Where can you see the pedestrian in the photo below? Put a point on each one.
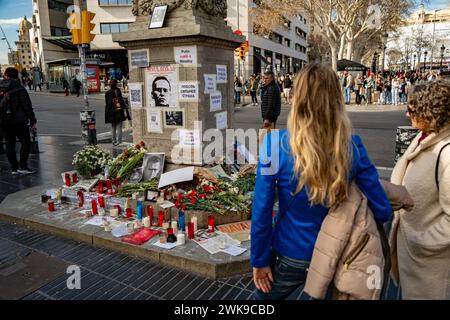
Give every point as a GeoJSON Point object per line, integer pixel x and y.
{"type": "Point", "coordinates": [369, 85]}
{"type": "Point", "coordinates": [395, 91]}
{"type": "Point", "coordinates": [271, 101]}
{"type": "Point", "coordinates": [295, 165]}
{"type": "Point", "coordinates": [115, 111]}
{"type": "Point", "coordinates": [66, 87]}
{"type": "Point", "coordinates": [29, 83]}
{"type": "Point", "coordinates": [253, 89]}
{"type": "Point", "coordinates": [17, 116]}
{"type": "Point", "coordinates": [350, 83]}
{"type": "Point", "coordinates": [387, 87]}
{"type": "Point", "coordinates": [357, 88]}
{"type": "Point", "coordinates": [287, 86]}
{"type": "Point", "coordinates": [237, 90]}
{"type": "Point", "coordinates": [76, 84]}
{"type": "Point", "coordinates": [420, 239]}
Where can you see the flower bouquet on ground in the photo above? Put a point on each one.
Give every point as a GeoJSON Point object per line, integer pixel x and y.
{"type": "Point", "coordinates": [130, 159]}
{"type": "Point", "coordinates": [91, 160]}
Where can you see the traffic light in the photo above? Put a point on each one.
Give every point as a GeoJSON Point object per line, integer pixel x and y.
{"type": "Point", "coordinates": [237, 52]}
{"type": "Point", "coordinates": [75, 28]}
{"type": "Point", "coordinates": [87, 27]}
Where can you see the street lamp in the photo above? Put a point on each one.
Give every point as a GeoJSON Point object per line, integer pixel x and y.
{"type": "Point", "coordinates": [414, 63]}
{"type": "Point", "coordinates": [442, 57]}
{"type": "Point", "coordinates": [425, 61]}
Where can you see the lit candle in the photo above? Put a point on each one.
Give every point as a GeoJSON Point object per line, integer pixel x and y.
{"type": "Point", "coordinates": [146, 221]}
{"type": "Point", "coordinates": [194, 221]}
{"type": "Point", "coordinates": [190, 230]}
{"type": "Point", "coordinates": [94, 206]}
{"type": "Point", "coordinates": [174, 226]}
{"type": "Point", "coordinates": [139, 210]}
{"type": "Point", "coordinates": [181, 238]}
{"type": "Point", "coordinates": [165, 225]}
{"type": "Point", "coordinates": [101, 201]}
{"type": "Point", "coordinates": [160, 218]}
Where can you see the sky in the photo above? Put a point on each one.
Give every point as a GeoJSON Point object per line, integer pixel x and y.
{"type": "Point", "coordinates": [11, 12]}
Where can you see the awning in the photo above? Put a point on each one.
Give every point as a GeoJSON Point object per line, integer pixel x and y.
{"type": "Point", "coordinates": [348, 65]}
{"type": "Point", "coordinates": [62, 41]}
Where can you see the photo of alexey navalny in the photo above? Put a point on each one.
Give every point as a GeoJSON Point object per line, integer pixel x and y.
{"type": "Point", "coordinates": [161, 92]}
{"type": "Point", "coordinates": [174, 118]}
{"type": "Point", "coordinates": [153, 165]}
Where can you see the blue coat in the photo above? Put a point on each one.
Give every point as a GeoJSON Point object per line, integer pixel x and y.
{"type": "Point", "coordinates": [296, 233]}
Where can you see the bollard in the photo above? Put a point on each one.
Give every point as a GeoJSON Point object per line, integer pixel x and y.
{"type": "Point", "coordinates": [405, 135]}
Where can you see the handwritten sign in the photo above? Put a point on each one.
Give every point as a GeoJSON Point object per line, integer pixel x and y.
{"type": "Point", "coordinates": [221, 71]}
{"type": "Point", "coordinates": [215, 100]}
{"type": "Point", "coordinates": [186, 55]}
{"type": "Point", "coordinates": [210, 83]}
{"type": "Point", "coordinates": [221, 120]}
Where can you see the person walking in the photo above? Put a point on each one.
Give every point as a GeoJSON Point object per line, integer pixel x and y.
{"type": "Point", "coordinates": [350, 83]}
{"type": "Point", "coordinates": [76, 84]}
{"type": "Point", "coordinates": [253, 89]}
{"type": "Point", "coordinates": [395, 91]}
{"type": "Point", "coordinates": [295, 164]}
{"type": "Point", "coordinates": [115, 111]}
{"type": "Point", "coordinates": [271, 101]}
{"type": "Point", "coordinates": [237, 90]}
{"type": "Point", "coordinates": [420, 239]}
{"type": "Point", "coordinates": [17, 116]}
{"type": "Point", "coordinates": [358, 86]}
{"type": "Point", "coordinates": [66, 87]}
{"type": "Point", "coordinates": [287, 86]}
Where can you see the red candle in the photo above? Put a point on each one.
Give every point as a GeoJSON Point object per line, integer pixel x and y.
{"type": "Point", "coordinates": [101, 201]}
{"type": "Point", "coordinates": [67, 179]}
{"type": "Point", "coordinates": [51, 205]}
{"type": "Point", "coordinates": [94, 206]}
{"type": "Point", "coordinates": [150, 213]}
{"type": "Point", "coordinates": [100, 187]}
{"type": "Point", "coordinates": [211, 223]}
{"type": "Point", "coordinates": [118, 208]}
{"type": "Point", "coordinates": [80, 196]}
{"type": "Point", "coordinates": [190, 230]}
{"type": "Point", "coordinates": [160, 218]}
{"type": "Point", "coordinates": [74, 177]}
{"type": "Point", "coordinates": [129, 212]}
{"type": "Point", "coordinates": [109, 186]}
{"type": "Point", "coordinates": [169, 231]}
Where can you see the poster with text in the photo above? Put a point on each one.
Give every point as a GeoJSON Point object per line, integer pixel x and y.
{"type": "Point", "coordinates": [210, 83]}
{"type": "Point", "coordinates": [186, 55]}
{"type": "Point", "coordinates": [215, 100]}
{"type": "Point", "coordinates": [221, 71]}
{"type": "Point", "coordinates": [154, 122]}
{"type": "Point", "coordinates": [139, 58]}
{"type": "Point", "coordinates": [221, 120]}
{"type": "Point", "coordinates": [135, 97]}
{"type": "Point", "coordinates": [162, 86]}
{"type": "Point", "coordinates": [189, 138]}
{"type": "Point", "coordinates": [188, 91]}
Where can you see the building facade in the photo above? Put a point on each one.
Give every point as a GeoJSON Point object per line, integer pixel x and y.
{"type": "Point", "coordinates": [23, 46]}
{"type": "Point", "coordinates": [285, 50]}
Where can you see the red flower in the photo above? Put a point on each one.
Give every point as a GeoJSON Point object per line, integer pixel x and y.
{"type": "Point", "coordinates": [202, 196]}
{"type": "Point", "coordinates": [193, 200]}
{"type": "Point", "coordinates": [142, 143]}
{"type": "Point", "coordinates": [184, 207]}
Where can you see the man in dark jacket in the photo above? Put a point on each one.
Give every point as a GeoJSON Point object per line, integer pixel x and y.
{"type": "Point", "coordinates": [16, 118]}
{"type": "Point", "coordinates": [271, 100]}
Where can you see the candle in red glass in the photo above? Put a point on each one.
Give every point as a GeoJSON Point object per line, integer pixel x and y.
{"type": "Point", "coordinates": [190, 230]}
{"type": "Point", "coordinates": [118, 208]}
{"type": "Point", "coordinates": [80, 196]}
{"type": "Point", "coordinates": [74, 177]}
{"type": "Point", "coordinates": [150, 213]}
{"type": "Point", "coordinates": [51, 205]}
{"type": "Point", "coordinates": [160, 218]}
{"type": "Point", "coordinates": [94, 206]}
{"type": "Point", "coordinates": [211, 223]}
{"type": "Point", "coordinates": [101, 201]}
{"type": "Point", "coordinates": [109, 186]}
{"type": "Point", "coordinates": [100, 187]}
{"type": "Point", "coordinates": [129, 212]}
{"type": "Point", "coordinates": [67, 179]}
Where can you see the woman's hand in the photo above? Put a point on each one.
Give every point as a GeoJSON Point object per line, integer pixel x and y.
{"type": "Point", "coordinates": [263, 279]}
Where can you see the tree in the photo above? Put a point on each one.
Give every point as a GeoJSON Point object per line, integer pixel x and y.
{"type": "Point", "coordinates": [343, 24]}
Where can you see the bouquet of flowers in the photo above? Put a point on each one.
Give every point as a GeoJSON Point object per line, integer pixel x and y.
{"type": "Point", "coordinates": [127, 161]}
{"type": "Point", "coordinates": [91, 160]}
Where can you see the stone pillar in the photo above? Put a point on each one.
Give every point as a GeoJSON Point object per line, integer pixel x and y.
{"type": "Point", "coordinates": [197, 24]}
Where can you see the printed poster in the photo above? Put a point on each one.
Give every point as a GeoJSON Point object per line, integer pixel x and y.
{"type": "Point", "coordinates": [162, 86]}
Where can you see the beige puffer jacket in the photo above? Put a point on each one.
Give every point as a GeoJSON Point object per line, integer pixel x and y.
{"type": "Point", "coordinates": [348, 250]}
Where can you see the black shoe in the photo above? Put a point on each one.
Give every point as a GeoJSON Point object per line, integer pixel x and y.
{"type": "Point", "coordinates": [2, 151]}
{"type": "Point", "coordinates": [26, 171]}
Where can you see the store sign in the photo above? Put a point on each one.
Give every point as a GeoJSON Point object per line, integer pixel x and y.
{"type": "Point", "coordinates": [76, 62]}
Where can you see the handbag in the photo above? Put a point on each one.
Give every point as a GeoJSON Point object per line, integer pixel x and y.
{"type": "Point", "coordinates": [116, 102]}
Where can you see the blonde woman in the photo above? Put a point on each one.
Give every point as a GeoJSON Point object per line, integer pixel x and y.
{"type": "Point", "coordinates": [310, 165]}
{"type": "Point", "coordinates": [420, 239]}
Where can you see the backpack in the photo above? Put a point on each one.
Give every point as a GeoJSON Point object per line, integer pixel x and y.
{"type": "Point", "coordinates": [6, 111]}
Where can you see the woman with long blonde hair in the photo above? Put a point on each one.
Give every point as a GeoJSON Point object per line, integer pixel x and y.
{"type": "Point", "coordinates": [310, 165]}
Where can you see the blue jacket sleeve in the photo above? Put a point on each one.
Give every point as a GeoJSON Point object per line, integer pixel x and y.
{"type": "Point", "coordinates": [263, 201]}
{"type": "Point", "coordinates": [366, 177]}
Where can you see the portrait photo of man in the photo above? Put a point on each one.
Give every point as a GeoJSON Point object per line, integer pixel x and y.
{"type": "Point", "coordinates": [153, 165]}
{"type": "Point", "coordinates": [161, 92]}
{"type": "Point", "coordinates": [174, 118]}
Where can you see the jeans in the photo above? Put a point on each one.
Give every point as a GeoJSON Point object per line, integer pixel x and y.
{"type": "Point", "coordinates": [395, 95]}
{"type": "Point", "coordinates": [22, 132]}
{"type": "Point", "coordinates": [254, 98]}
{"type": "Point", "coordinates": [288, 274]}
{"type": "Point", "coordinates": [387, 97]}
{"type": "Point", "coordinates": [116, 133]}
{"type": "Point", "coordinates": [237, 97]}
{"type": "Point", "coordinates": [348, 95]}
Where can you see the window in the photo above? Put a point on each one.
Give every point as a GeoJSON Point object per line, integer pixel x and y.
{"type": "Point", "coordinates": [300, 48]}
{"type": "Point", "coordinates": [113, 27]}
{"type": "Point", "coordinates": [277, 38]}
{"type": "Point", "coordinates": [58, 32]}
{"type": "Point", "coordinates": [114, 2]}
{"type": "Point", "coordinates": [287, 42]}
{"type": "Point", "coordinates": [57, 5]}
{"type": "Point", "coordinates": [300, 32]}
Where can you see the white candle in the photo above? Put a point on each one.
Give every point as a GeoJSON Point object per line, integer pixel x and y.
{"type": "Point", "coordinates": [114, 212]}
{"type": "Point", "coordinates": [146, 221]}
{"type": "Point", "coordinates": [175, 227]}
{"type": "Point", "coordinates": [165, 225]}
{"type": "Point", "coordinates": [181, 238]}
{"type": "Point", "coordinates": [194, 221]}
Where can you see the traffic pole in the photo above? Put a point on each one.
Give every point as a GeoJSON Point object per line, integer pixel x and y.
{"type": "Point", "coordinates": [87, 117]}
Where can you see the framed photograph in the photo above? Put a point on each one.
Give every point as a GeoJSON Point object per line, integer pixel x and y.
{"type": "Point", "coordinates": [154, 121]}
{"type": "Point", "coordinates": [136, 176]}
{"type": "Point", "coordinates": [158, 16]}
{"type": "Point", "coordinates": [161, 83]}
{"type": "Point", "coordinates": [153, 165]}
{"type": "Point", "coordinates": [174, 118]}
{"type": "Point", "coordinates": [151, 195]}
{"type": "Point", "coordinates": [135, 94]}
{"type": "Point", "coordinates": [138, 58]}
